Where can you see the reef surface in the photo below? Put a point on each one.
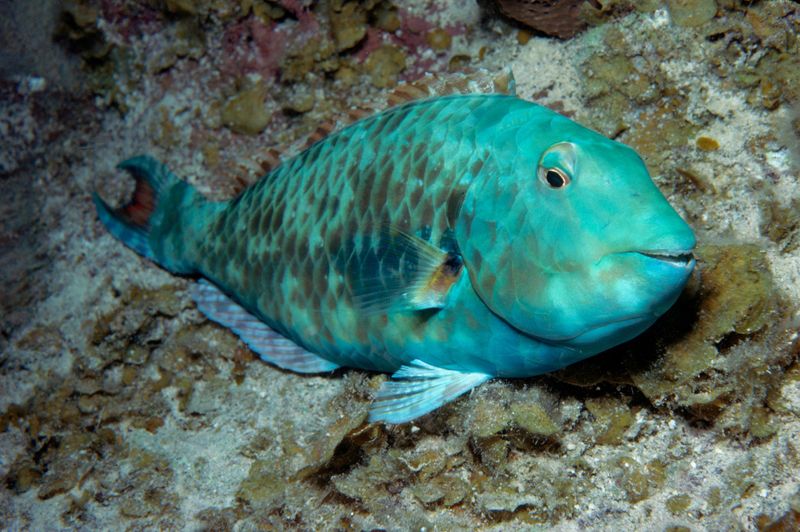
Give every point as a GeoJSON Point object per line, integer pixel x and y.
{"type": "Point", "coordinates": [121, 406]}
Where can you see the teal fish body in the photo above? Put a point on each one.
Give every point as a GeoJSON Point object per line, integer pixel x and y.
{"type": "Point", "coordinates": [448, 240]}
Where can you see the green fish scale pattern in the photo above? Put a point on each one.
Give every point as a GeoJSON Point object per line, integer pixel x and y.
{"type": "Point", "coordinates": [295, 247]}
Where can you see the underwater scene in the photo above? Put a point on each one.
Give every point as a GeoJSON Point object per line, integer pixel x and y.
{"type": "Point", "coordinates": [400, 265]}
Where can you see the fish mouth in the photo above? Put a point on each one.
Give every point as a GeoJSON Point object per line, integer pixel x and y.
{"type": "Point", "coordinates": [680, 259]}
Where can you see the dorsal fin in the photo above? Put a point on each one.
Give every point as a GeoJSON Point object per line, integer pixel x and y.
{"type": "Point", "coordinates": [322, 131]}
{"type": "Point", "coordinates": [244, 176]}
{"type": "Point", "coordinates": [406, 92]}
{"type": "Point", "coordinates": [238, 185]}
{"type": "Point", "coordinates": [329, 126]}
{"type": "Point", "coordinates": [248, 172]}
{"type": "Point", "coordinates": [357, 113]}
{"type": "Point", "coordinates": [270, 160]}
{"type": "Point", "coordinates": [479, 81]}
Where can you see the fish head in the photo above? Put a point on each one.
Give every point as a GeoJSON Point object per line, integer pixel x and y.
{"type": "Point", "coordinates": [566, 237]}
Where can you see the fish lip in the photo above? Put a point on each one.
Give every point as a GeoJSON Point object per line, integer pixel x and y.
{"type": "Point", "coordinates": [680, 258]}
{"type": "Point", "coordinates": [631, 319]}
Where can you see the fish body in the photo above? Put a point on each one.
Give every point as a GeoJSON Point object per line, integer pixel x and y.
{"type": "Point", "coordinates": [448, 240]}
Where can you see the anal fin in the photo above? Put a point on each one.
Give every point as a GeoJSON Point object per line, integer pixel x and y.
{"type": "Point", "coordinates": [418, 388]}
{"type": "Point", "coordinates": [268, 344]}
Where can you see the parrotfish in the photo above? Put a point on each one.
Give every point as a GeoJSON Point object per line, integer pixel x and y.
{"type": "Point", "coordinates": [447, 240]}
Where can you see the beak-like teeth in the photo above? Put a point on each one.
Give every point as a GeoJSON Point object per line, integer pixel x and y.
{"type": "Point", "coordinates": [675, 257]}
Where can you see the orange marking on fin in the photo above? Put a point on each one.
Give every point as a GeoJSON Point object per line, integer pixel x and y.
{"type": "Point", "coordinates": [441, 280]}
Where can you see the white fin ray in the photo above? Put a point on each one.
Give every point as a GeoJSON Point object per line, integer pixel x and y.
{"type": "Point", "coordinates": [268, 344]}
{"type": "Point", "coordinates": [418, 388]}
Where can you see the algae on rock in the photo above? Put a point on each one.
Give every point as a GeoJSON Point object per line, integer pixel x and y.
{"type": "Point", "coordinates": [246, 112]}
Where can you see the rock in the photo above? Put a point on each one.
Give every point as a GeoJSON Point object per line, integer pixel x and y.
{"type": "Point", "coordinates": [385, 17]}
{"type": "Point", "coordinates": [534, 419]}
{"type": "Point", "coordinates": [560, 18]}
{"type": "Point", "coordinates": [183, 7]}
{"type": "Point", "coordinates": [299, 99]}
{"type": "Point", "coordinates": [691, 13]}
{"type": "Point", "coordinates": [245, 112]}
{"type": "Point", "coordinates": [677, 504]}
{"type": "Point", "coordinates": [707, 144]}
{"type": "Point", "coordinates": [348, 24]}
{"type": "Point", "coordinates": [612, 419]}
{"type": "Point", "coordinates": [488, 417]}
{"type": "Point", "coordinates": [384, 65]}
{"type": "Point", "coordinates": [439, 39]}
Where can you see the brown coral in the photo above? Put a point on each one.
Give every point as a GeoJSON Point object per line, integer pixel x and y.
{"type": "Point", "coordinates": [559, 18]}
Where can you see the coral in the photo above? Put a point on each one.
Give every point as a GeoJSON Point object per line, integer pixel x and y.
{"type": "Point", "coordinates": [123, 407]}
{"type": "Point", "coordinates": [735, 304]}
{"type": "Point", "coordinates": [560, 18]}
{"type": "Point", "coordinates": [348, 24]}
{"type": "Point", "coordinates": [186, 41]}
{"type": "Point", "coordinates": [692, 13]}
{"type": "Point", "coordinates": [612, 417]}
{"type": "Point", "coordinates": [636, 480]}
{"type": "Point", "coordinates": [724, 367]}
{"type": "Point", "coordinates": [246, 112]}
{"type": "Point", "coordinates": [759, 52]}
{"type": "Point", "coordinates": [384, 65]}
{"type": "Point", "coordinates": [78, 26]}
{"type": "Point", "coordinates": [439, 39]}
{"type": "Point", "coordinates": [71, 443]}
{"type": "Point", "coordinates": [615, 77]}
{"type": "Point", "coordinates": [677, 504]}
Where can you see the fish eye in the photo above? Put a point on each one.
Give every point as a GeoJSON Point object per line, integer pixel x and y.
{"type": "Point", "coordinates": [554, 177]}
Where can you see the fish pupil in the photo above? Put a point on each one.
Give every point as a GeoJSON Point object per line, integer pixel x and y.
{"type": "Point", "coordinates": [554, 179]}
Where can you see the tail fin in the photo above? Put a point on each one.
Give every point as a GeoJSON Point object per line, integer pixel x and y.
{"type": "Point", "coordinates": [147, 224]}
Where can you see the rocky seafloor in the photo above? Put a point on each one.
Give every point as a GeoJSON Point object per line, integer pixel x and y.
{"type": "Point", "coordinates": [122, 407]}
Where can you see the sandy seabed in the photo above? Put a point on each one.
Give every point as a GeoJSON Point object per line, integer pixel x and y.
{"type": "Point", "coordinates": [121, 406]}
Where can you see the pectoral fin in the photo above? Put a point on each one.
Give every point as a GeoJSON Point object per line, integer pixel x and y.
{"type": "Point", "coordinates": [268, 344]}
{"type": "Point", "coordinates": [411, 274]}
{"type": "Point", "coordinates": [418, 388]}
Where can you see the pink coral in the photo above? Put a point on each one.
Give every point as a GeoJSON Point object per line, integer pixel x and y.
{"type": "Point", "coordinates": [251, 46]}
{"type": "Point", "coordinates": [131, 21]}
{"type": "Point", "coordinates": [302, 12]}
{"type": "Point", "coordinates": [412, 38]}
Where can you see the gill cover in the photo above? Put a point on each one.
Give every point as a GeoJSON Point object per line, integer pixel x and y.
{"type": "Point", "coordinates": [566, 237]}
